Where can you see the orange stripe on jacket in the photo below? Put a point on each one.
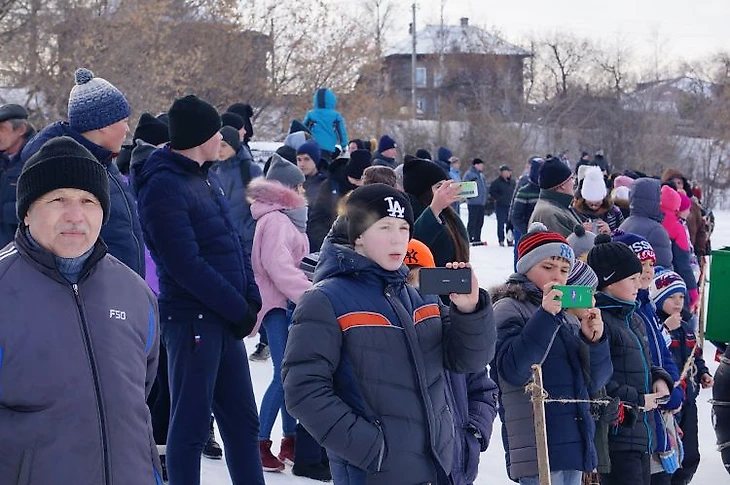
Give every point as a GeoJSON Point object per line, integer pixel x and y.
{"type": "Point", "coordinates": [426, 311]}
{"type": "Point", "coordinates": [361, 319]}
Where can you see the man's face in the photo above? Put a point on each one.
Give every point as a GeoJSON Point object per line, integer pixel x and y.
{"type": "Point", "coordinates": [455, 163]}
{"type": "Point", "coordinates": [479, 166]}
{"type": "Point", "coordinates": [390, 153]}
{"type": "Point", "coordinates": [113, 135]}
{"type": "Point", "coordinates": [10, 137]}
{"type": "Point", "coordinates": [242, 133]}
{"type": "Point", "coordinates": [65, 222]}
{"type": "Point", "coordinates": [225, 151]}
{"type": "Point", "coordinates": [211, 148]}
{"type": "Point", "coordinates": [306, 164]}
{"type": "Point", "coordinates": [506, 174]}
{"type": "Point", "coordinates": [566, 187]}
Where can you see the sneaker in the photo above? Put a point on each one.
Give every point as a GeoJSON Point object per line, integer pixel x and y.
{"type": "Point", "coordinates": [261, 353]}
{"type": "Point", "coordinates": [286, 452]}
{"type": "Point", "coordinates": [315, 471]}
{"type": "Point", "coordinates": [269, 462]}
{"type": "Point", "coordinates": [212, 449]}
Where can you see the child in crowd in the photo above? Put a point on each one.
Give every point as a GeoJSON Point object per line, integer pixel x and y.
{"type": "Point", "coordinates": [279, 244]}
{"type": "Point", "coordinates": [365, 360]}
{"type": "Point", "coordinates": [635, 380]}
{"type": "Point", "coordinates": [533, 328]}
{"type": "Point", "coordinates": [668, 293]}
{"type": "Point", "coordinates": [474, 396]}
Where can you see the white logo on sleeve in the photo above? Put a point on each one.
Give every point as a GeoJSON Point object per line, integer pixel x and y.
{"type": "Point", "coordinates": [394, 208]}
{"type": "Point", "coordinates": [117, 314]}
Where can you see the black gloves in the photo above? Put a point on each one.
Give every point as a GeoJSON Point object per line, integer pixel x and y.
{"type": "Point", "coordinates": [245, 326]}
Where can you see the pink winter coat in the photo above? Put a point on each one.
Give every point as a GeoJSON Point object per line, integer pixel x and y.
{"type": "Point", "coordinates": [670, 201]}
{"type": "Point", "coordinates": [278, 246]}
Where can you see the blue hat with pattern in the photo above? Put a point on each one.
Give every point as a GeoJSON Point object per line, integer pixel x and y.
{"type": "Point", "coordinates": [95, 103]}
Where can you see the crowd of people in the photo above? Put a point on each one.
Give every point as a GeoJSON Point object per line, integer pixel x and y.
{"type": "Point", "coordinates": [132, 272]}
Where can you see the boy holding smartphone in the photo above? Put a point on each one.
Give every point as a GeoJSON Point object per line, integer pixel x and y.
{"type": "Point", "coordinates": [635, 380]}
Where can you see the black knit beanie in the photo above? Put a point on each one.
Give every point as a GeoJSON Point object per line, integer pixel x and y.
{"type": "Point", "coordinates": [231, 137]}
{"type": "Point", "coordinates": [553, 173]}
{"type": "Point", "coordinates": [192, 122]}
{"type": "Point", "coordinates": [245, 111]}
{"type": "Point", "coordinates": [61, 163]}
{"type": "Point", "coordinates": [370, 203]}
{"type": "Point", "coordinates": [232, 119]}
{"type": "Point", "coordinates": [420, 175]}
{"type": "Point", "coordinates": [151, 130]}
{"type": "Point", "coordinates": [359, 161]}
{"type": "Point", "coordinates": [612, 261]}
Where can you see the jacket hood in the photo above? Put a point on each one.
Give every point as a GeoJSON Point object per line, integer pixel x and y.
{"type": "Point", "coordinates": [343, 260]}
{"type": "Point", "coordinates": [61, 128]}
{"type": "Point", "coordinates": [519, 288]}
{"type": "Point", "coordinates": [645, 199]}
{"type": "Point", "coordinates": [268, 196]}
{"type": "Point", "coordinates": [295, 140]}
{"type": "Point", "coordinates": [164, 159]}
{"type": "Point", "coordinates": [324, 98]}
{"type": "Point", "coordinates": [670, 200]}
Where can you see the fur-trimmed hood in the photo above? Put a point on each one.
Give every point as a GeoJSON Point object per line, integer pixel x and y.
{"type": "Point", "coordinates": [579, 204]}
{"type": "Point", "coordinates": [267, 196]}
{"type": "Point", "coordinates": [517, 287]}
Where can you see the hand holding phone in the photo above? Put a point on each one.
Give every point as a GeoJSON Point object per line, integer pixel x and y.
{"type": "Point", "coordinates": [468, 190]}
{"type": "Point", "coordinates": [444, 281]}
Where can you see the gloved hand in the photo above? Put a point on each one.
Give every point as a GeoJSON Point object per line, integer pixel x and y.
{"type": "Point", "coordinates": [243, 328]}
{"type": "Point", "coordinates": [610, 414]}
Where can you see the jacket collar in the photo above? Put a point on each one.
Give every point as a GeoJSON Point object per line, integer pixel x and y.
{"type": "Point", "coordinates": [620, 307]}
{"type": "Point", "coordinates": [556, 198]}
{"type": "Point", "coordinates": [45, 262]}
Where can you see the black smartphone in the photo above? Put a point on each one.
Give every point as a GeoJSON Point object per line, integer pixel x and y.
{"type": "Point", "coordinates": [662, 400]}
{"type": "Point", "coordinates": [442, 281]}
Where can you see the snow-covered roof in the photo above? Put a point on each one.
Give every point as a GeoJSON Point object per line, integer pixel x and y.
{"type": "Point", "coordinates": [447, 39]}
{"type": "Point", "coordinates": [687, 84]}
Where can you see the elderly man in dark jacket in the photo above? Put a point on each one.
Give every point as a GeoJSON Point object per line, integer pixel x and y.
{"type": "Point", "coordinates": [208, 296]}
{"type": "Point", "coordinates": [15, 131]}
{"type": "Point", "coordinates": [646, 219]}
{"type": "Point", "coordinates": [75, 369]}
{"type": "Point", "coordinates": [97, 119]}
{"type": "Point", "coordinates": [501, 190]}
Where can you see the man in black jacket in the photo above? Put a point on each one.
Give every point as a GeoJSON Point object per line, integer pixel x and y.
{"type": "Point", "coordinates": [501, 191]}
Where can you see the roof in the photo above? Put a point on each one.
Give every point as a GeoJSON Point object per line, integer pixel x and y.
{"type": "Point", "coordinates": [447, 39]}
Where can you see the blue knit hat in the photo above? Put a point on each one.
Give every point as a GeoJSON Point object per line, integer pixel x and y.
{"type": "Point", "coordinates": [311, 148]}
{"type": "Point", "coordinates": [666, 284]}
{"type": "Point", "coordinates": [95, 103]}
{"type": "Point", "coordinates": [444, 154]}
{"type": "Point", "coordinates": [386, 143]}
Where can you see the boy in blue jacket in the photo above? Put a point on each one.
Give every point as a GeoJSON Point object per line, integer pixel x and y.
{"type": "Point", "coordinates": [325, 123]}
{"type": "Point", "coordinates": [668, 292]}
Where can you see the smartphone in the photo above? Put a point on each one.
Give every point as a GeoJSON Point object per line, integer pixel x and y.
{"type": "Point", "coordinates": [594, 224]}
{"type": "Point", "coordinates": [576, 296]}
{"type": "Point", "coordinates": [662, 400]}
{"type": "Point", "coordinates": [443, 281]}
{"type": "Point", "coordinates": [467, 190]}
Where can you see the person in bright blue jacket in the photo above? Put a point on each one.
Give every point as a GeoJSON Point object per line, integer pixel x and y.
{"type": "Point", "coordinates": [97, 119]}
{"type": "Point", "coordinates": [208, 296]}
{"type": "Point", "coordinates": [325, 123]}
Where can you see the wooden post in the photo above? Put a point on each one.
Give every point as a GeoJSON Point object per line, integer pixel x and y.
{"type": "Point", "coordinates": [538, 411]}
{"type": "Point", "coordinates": [701, 315]}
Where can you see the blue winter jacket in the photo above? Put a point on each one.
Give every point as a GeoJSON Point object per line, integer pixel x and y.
{"type": "Point", "coordinates": [364, 368]}
{"type": "Point", "coordinates": [231, 177]}
{"type": "Point", "coordinates": [474, 175]}
{"type": "Point", "coordinates": [8, 196]}
{"type": "Point", "coordinates": [646, 217]}
{"type": "Point", "coordinates": [683, 342]}
{"type": "Point", "coordinates": [324, 122]}
{"type": "Point", "coordinates": [123, 233]}
{"type": "Point", "coordinates": [473, 407]}
{"type": "Point", "coordinates": [205, 273]}
{"type": "Point", "coordinates": [526, 335]}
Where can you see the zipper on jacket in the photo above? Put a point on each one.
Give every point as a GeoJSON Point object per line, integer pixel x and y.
{"type": "Point", "coordinates": [140, 250]}
{"type": "Point", "coordinates": [647, 382]}
{"type": "Point", "coordinates": [97, 387]}
{"type": "Point", "coordinates": [381, 455]}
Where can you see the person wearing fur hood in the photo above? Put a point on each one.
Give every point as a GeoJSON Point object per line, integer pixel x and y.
{"type": "Point", "coordinates": [279, 244]}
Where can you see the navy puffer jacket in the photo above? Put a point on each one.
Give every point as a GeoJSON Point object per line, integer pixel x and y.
{"type": "Point", "coordinates": [204, 272]}
{"type": "Point", "coordinates": [364, 368]}
{"type": "Point", "coordinates": [123, 233]}
{"type": "Point", "coordinates": [526, 335]}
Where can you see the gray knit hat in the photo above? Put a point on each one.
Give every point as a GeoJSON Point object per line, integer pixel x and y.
{"type": "Point", "coordinates": [581, 240]}
{"type": "Point", "coordinates": [540, 244]}
{"type": "Point", "coordinates": [284, 172]}
{"type": "Point", "coordinates": [95, 103]}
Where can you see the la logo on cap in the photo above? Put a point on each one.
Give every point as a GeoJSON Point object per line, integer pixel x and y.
{"type": "Point", "coordinates": [394, 208]}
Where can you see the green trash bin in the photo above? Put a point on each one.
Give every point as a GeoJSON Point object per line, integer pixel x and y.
{"type": "Point", "coordinates": [718, 308]}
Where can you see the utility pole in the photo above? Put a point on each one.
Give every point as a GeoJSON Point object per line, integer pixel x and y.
{"type": "Point", "coordinates": [414, 107]}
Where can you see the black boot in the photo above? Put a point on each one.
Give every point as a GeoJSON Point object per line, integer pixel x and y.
{"type": "Point", "coordinates": [261, 353]}
{"type": "Point", "coordinates": [315, 471]}
{"type": "Point", "coordinates": [212, 449]}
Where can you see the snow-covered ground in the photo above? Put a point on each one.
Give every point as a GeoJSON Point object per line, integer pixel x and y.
{"type": "Point", "coordinates": [493, 264]}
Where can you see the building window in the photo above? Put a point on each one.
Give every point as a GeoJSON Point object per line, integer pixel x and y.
{"type": "Point", "coordinates": [421, 105]}
{"type": "Point", "coordinates": [438, 78]}
{"type": "Point", "coordinates": [421, 77]}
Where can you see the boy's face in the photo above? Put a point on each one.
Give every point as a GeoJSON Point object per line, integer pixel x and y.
{"type": "Point", "coordinates": [385, 242]}
{"type": "Point", "coordinates": [647, 274]}
{"type": "Point", "coordinates": [673, 304]}
{"type": "Point", "coordinates": [549, 270]}
{"type": "Point", "coordinates": [306, 164]}
{"type": "Point", "coordinates": [625, 289]}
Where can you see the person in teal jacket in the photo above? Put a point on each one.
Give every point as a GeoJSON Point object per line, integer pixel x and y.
{"type": "Point", "coordinates": [325, 123]}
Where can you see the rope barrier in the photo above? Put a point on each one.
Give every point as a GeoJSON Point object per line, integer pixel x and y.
{"type": "Point", "coordinates": [532, 388]}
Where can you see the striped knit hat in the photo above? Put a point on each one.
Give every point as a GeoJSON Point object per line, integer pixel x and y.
{"type": "Point", "coordinates": [95, 103]}
{"type": "Point", "coordinates": [540, 244]}
{"type": "Point", "coordinates": [666, 284]}
{"type": "Point", "coordinates": [582, 275]}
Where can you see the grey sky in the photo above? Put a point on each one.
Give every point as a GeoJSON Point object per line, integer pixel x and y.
{"type": "Point", "coordinates": [681, 29]}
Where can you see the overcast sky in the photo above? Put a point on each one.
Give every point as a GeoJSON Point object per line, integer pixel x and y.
{"type": "Point", "coordinates": [680, 29]}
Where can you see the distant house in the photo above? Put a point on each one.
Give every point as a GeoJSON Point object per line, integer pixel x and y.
{"type": "Point", "coordinates": [458, 67]}
{"type": "Point", "coordinates": [678, 97]}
